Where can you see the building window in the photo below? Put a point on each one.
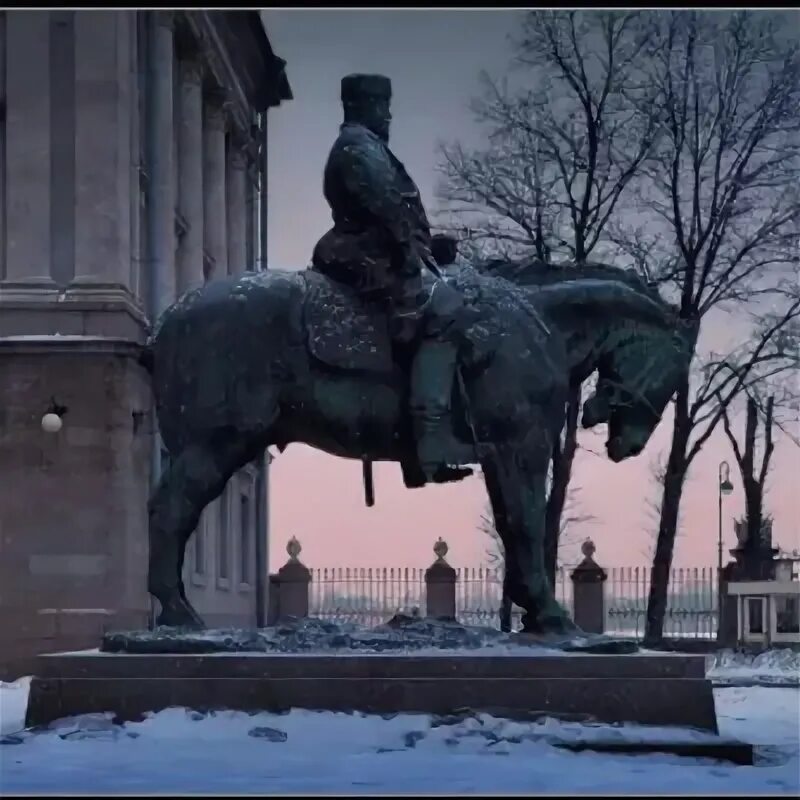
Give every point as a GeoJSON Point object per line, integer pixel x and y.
{"type": "Point", "coordinates": [223, 540]}
{"type": "Point", "coordinates": [209, 262]}
{"type": "Point", "coordinates": [787, 614]}
{"type": "Point", "coordinates": [755, 614]}
{"type": "Point", "coordinates": [245, 538]}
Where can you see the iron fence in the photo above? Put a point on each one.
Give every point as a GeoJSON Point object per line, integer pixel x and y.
{"type": "Point", "coordinates": [479, 596]}
{"type": "Point", "coordinates": [692, 602]}
{"type": "Point", "coordinates": [370, 596]}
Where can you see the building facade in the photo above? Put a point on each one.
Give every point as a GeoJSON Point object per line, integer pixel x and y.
{"type": "Point", "coordinates": [132, 168]}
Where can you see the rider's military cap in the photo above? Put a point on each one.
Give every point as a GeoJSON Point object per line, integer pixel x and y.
{"type": "Point", "coordinates": [359, 87]}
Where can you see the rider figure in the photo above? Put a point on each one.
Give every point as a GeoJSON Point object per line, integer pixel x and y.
{"type": "Point", "coordinates": [380, 244]}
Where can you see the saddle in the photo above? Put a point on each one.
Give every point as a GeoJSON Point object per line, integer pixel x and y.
{"type": "Point", "coordinates": [343, 330]}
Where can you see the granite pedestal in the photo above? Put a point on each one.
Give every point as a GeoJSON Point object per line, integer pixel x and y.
{"type": "Point", "coordinates": [657, 689]}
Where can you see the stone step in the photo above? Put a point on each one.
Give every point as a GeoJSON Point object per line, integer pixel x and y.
{"type": "Point", "coordinates": [723, 750]}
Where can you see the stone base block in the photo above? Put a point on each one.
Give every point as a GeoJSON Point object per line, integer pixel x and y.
{"type": "Point", "coordinates": [652, 690]}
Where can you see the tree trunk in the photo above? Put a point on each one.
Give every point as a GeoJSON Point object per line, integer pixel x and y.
{"type": "Point", "coordinates": [753, 503]}
{"type": "Point", "coordinates": [677, 467]}
{"type": "Point", "coordinates": [563, 458]}
{"type": "Point", "coordinates": [755, 482]}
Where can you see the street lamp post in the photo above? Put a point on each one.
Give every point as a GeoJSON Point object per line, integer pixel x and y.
{"type": "Point", "coordinates": [725, 487]}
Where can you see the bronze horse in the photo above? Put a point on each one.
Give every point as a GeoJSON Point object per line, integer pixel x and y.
{"type": "Point", "coordinates": [278, 357]}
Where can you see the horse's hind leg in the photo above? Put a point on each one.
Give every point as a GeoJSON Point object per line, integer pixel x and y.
{"type": "Point", "coordinates": [193, 479]}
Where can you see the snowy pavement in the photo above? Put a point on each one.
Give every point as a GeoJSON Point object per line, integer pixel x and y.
{"type": "Point", "coordinates": [178, 751]}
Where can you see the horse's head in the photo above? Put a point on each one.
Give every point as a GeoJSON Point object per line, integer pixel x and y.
{"type": "Point", "coordinates": [639, 346]}
{"type": "Point", "coordinates": [637, 377]}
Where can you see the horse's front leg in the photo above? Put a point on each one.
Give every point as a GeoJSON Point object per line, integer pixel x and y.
{"type": "Point", "coordinates": [516, 481]}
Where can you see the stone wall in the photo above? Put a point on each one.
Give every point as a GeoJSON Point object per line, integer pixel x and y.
{"type": "Point", "coordinates": [73, 515]}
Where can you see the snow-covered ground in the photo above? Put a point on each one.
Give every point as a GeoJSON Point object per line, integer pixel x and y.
{"type": "Point", "coordinates": [181, 751]}
{"type": "Point", "coordinates": [779, 667]}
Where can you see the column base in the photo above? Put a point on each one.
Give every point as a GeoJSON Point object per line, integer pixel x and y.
{"type": "Point", "coordinates": [29, 289]}
{"type": "Point", "coordinates": [85, 308]}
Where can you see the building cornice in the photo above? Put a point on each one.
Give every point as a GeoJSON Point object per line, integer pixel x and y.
{"type": "Point", "coordinates": [218, 67]}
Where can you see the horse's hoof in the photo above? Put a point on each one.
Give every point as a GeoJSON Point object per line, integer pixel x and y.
{"type": "Point", "coordinates": [549, 625]}
{"type": "Point", "coordinates": [182, 622]}
{"type": "Point", "coordinates": [179, 615]}
{"type": "Point", "coordinates": [558, 625]}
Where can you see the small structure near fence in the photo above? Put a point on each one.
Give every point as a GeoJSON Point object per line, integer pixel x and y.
{"type": "Point", "coordinates": [768, 611]}
{"type": "Point", "coordinates": [472, 596]}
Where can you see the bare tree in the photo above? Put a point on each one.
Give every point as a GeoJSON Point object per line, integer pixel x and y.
{"type": "Point", "coordinates": [721, 190]}
{"type": "Point", "coordinates": [563, 148]}
{"type": "Point", "coordinates": [754, 475]}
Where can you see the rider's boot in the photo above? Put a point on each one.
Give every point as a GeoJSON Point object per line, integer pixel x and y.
{"type": "Point", "coordinates": [432, 375]}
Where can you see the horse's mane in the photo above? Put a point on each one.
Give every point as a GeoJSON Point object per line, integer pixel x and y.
{"type": "Point", "coordinates": [532, 272]}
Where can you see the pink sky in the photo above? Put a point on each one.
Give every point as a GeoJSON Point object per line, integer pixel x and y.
{"type": "Point", "coordinates": [433, 59]}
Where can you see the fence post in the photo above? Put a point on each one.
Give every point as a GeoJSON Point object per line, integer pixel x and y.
{"type": "Point", "coordinates": [293, 582]}
{"type": "Point", "coordinates": [588, 592]}
{"type": "Point", "coordinates": [440, 585]}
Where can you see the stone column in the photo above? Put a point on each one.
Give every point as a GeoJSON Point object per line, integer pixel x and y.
{"type": "Point", "coordinates": [2, 147]}
{"type": "Point", "coordinates": [161, 186]}
{"type": "Point", "coordinates": [28, 147]}
{"type": "Point", "coordinates": [236, 208]}
{"type": "Point", "coordinates": [440, 585]}
{"type": "Point", "coordinates": [250, 218]}
{"type": "Point", "coordinates": [103, 95]}
{"type": "Point", "coordinates": [190, 175]}
{"type": "Point", "coordinates": [294, 579]}
{"type": "Point", "coordinates": [214, 210]}
{"type": "Point", "coordinates": [588, 592]}
{"type": "Point", "coordinates": [263, 200]}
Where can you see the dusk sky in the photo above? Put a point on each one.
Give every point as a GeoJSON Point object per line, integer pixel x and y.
{"type": "Point", "coordinates": [433, 59]}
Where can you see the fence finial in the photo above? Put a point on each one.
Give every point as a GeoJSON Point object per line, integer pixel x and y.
{"type": "Point", "coordinates": [440, 549]}
{"type": "Point", "coordinates": [294, 548]}
{"type": "Point", "coordinates": [588, 549]}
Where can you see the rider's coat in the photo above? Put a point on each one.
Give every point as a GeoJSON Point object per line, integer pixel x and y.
{"type": "Point", "coordinates": [379, 219]}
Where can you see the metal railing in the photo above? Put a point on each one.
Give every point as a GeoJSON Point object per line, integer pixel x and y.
{"type": "Point", "coordinates": [692, 602]}
{"type": "Point", "coordinates": [370, 596]}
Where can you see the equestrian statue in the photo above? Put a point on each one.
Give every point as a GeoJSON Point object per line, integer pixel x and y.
{"type": "Point", "coordinates": [384, 350]}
